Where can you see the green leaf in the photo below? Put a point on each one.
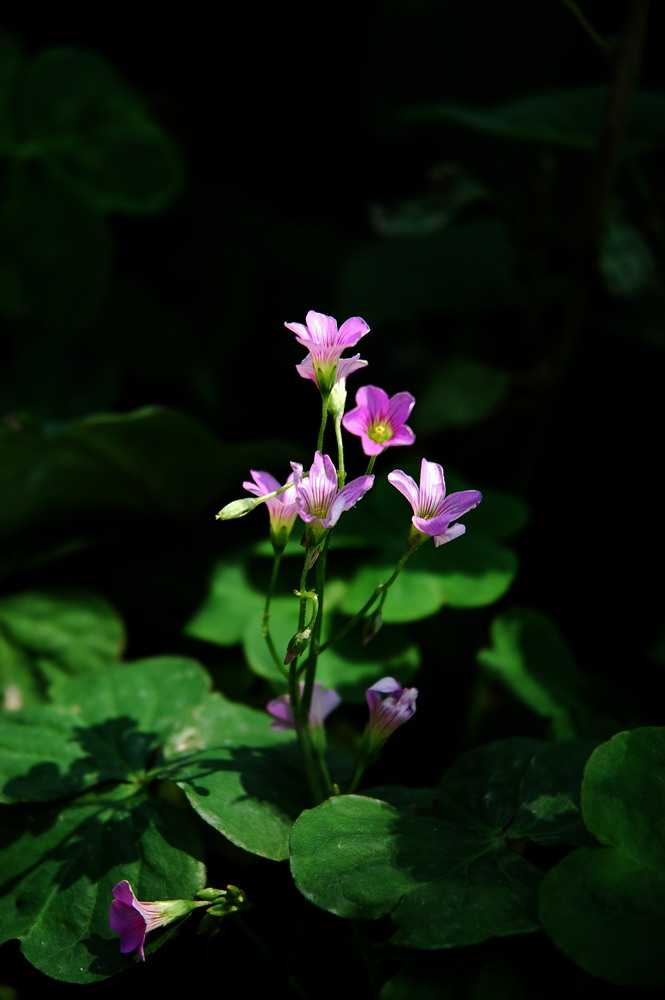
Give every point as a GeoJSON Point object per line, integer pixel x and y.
{"type": "Point", "coordinates": [94, 136]}
{"type": "Point", "coordinates": [520, 788]}
{"type": "Point", "coordinates": [45, 635]}
{"type": "Point", "coordinates": [445, 884]}
{"type": "Point", "coordinates": [533, 660]}
{"type": "Point", "coordinates": [568, 117]}
{"type": "Point", "coordinates": [607, 913]}
{"type": "Point", "coordinates": [467, 573]}
{"type": "Point", "coordinates": [231, 606]}
{"type": "Point", "coordinates": [248, 781]}
{"type": "Point", "coordinates": [106, 730]}
{"type": "Point", "coordinates": [93, 473]}
{"type": "Point", "coordinates": [623, 795]}
{"type": "Point", "coordinates": [461, 392]}
{"type": "Point", "coordinates": [59, 865]}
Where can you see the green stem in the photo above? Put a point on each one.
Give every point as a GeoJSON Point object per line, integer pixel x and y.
{"type": "Point", "coordinates": [370, 465]}
{"type": "Point", "coordinates": [304, 739]}
{"type": "Point", "coordinates": [324, 419]}
{"type": "Point", "coordinates": [341, 471]}
{"type": "Point", "coordinates": [604, 44]}
{"type": "Point", "coordinates": [315, 644]}
{"type": "Point", "coordinates": [358, 773]}
{"type": "Point", "coordinates": [380, 592]}
{"type": "Point", "coordinates": [265, 621]}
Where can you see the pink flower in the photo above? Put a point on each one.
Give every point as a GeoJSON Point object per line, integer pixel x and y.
{"type": "Point", "coordinates": [322, 704]}
{"type": "Point", "coordinates": [380, 422]}
{"type": "Point", "coordinates": [318, 499]}
{"type": "Point", "coordinates": [132, 919]}
{"type": "Point", "coordinates": [388, 713]}
{"type": "Point", "coordinates": [282, 508]}
{"type": "Point", "coordinates": [326, 344]}
{"type": "Point", "coordinates": [433, 511]}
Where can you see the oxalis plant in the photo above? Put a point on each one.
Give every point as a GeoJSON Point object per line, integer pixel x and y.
{"type": "Point", "coordinates": [105, 783]}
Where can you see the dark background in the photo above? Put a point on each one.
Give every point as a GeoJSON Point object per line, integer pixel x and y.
{"type": "Point", "coordinates": [295, 151]}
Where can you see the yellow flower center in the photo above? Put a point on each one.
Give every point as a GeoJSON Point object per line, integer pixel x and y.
{"type": "Point", "coordinates": [380, 432]}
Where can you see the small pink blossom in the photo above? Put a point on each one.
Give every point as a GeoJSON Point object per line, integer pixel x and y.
{"type": "Point", "coordinates": [387, 713]}
{"type": "Point", "coordinates": [133, 919]}
{"type": "Point", "coordinates": [433, 511]}
{"type": "Point", "coordinates": [282, 509]}
{"type": "Point", "coordinates": [326, 344]}
{"type": "Point", "coordinates": [323, 703]}
{"type": "Point", "coordinates": [319, 501]}
{"type": "Point", "coordinates": [379, 421]}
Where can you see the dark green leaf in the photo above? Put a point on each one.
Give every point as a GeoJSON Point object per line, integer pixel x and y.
{"type": "Point", "coordinates": [94, 136]}
{"type": "Point", "coordinates": [607, 912]}
{"type": "Point", "coordinates": [462, 392]}
{"type": "Point", "coordinates": [520, 788]}
{"type": "Point", "coordinates": [571, 117]}
{"type": "Point", "coordinates": [623, 795]}
{"type": "Point", "coordinates": [533, 660]}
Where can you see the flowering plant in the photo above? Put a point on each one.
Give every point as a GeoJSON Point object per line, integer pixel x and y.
{"type": "Point", "coordinates": [154, 773]}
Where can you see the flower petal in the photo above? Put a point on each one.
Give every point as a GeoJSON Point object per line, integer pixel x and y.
{"type": "Point", "coordinates": [322, 328]}
{"type": "Point", "coordinates": [263, 483]}
{"type": "Point", "coordinates": [406, 485]}
{"type": "Point", "coordinates": [374, 401]}
{"type": "Point", "coordinates": [403, 435]}
{"type": "Point", "coordinates": [348, 496]}
{"type": "Point", "coordinates": [351, 331]}
{"type": "Point", "coordinates": [454, 531]}
{"type": "Point", "coordinates": [432, 489]}
{"type": "Point", "coordinates": [347, 366]}
{"type": "Point", "coordinates": [306, 368]}
{"type": "Point", "coordinates": [459, 503]}
{"type": "Point", "coordinates": [399, 407]}
{"type": "Point", "coordinates": [431, 525]}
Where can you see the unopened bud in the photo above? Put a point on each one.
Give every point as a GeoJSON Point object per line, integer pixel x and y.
{"type": "Point", "coordinates": [297, 645]}
{"type": "Point", "coordinates": [238, 508]}
{"type": "Point", "coordinates": [372, 627]}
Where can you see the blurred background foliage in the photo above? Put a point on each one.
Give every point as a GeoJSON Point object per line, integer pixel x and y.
{"type": "Point", "coordinates": [176, 184]}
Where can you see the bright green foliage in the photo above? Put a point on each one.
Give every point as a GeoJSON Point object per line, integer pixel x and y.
{"type": "Point", "coordinates": [58, 866]}
{"type": "Point", "coordinates": [606, 908]}
{"type": "Point", "coordinates": [48, 635]}
{"type": "Point", "coordinates": [96, 732]}
{"type": "Point", "coordinates": [533, 660]}
{"type": "Point", "coordinates": [570, 117]}
{"type": "Point", "coordinates": [444, 883]}
{"type": "Point", "coordinates": [248, 781]}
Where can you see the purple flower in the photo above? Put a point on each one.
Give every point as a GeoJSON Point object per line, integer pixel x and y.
{"type": "Point", "coordinates": [282, 508]}
{"type": "Point", "coordinates": [387, 713]}
{"type": "Point", "coordinates": [318, 499]}
{"type": "Point", "coordinates": [322, 704]}
{"type": "Point", "coordinates": [133, 919]}
{"type": "Point", "coordinates": [326, 344]}
{"type": "Point", "coordinates": [379, 421]}
{"type": "Point", "coordinates": [433, 511]}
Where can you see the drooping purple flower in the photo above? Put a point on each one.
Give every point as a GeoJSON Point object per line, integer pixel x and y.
{"type": "Point", "coordinates": [282, 508]}
{"type": "Point", "coordinates": [387, 713]}
{"type": "Point", "coordinates": [133, 919]}
{"type": "Point", "coordinates": [319, 501]}
{"type": "Point", "coordinates": [379, 421]}
{"type": "Point", "coordinates": [326, 344]}
{"type": "Point", "coordinates": [323, 703]}
{"type": "Point", "coordinates": [433, 511]}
